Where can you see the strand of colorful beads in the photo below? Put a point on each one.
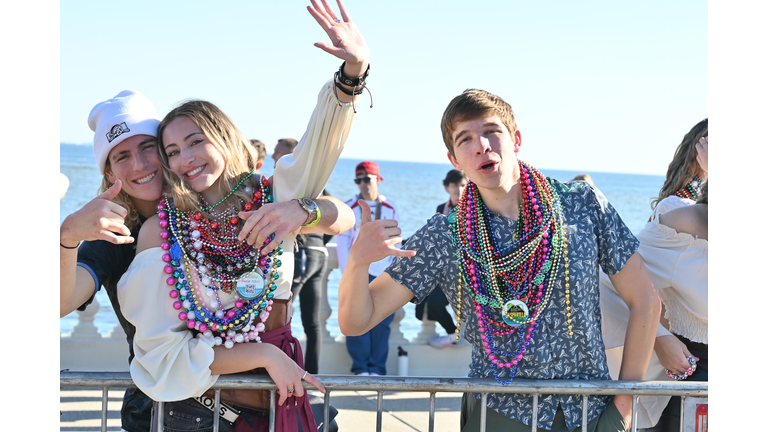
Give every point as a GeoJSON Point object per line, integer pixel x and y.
{"type": "Point", "coordinates": [514, 280]}
{"type": "Point", "coordinates": [691, 190]}
{"type": "Point", "coordinates": [204, 256]}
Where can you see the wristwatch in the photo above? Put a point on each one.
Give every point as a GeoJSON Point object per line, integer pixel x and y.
{"type": "Point", "coordinates": [312, 209]}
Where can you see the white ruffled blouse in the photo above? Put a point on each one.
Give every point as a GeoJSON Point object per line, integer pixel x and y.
{"type": "Point", "coordinates": [170, 364]}
{"type": "Point", "coordinates": [678, 266]}
{"type": "Point", "coordinates": [670, 203]}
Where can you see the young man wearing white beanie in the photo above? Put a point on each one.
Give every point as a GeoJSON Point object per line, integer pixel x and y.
{"type": "Point", "coordinates": [97, 241]}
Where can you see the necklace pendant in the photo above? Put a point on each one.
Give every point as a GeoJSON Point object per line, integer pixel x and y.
{"type": "Point", "coordinates": [514, 313]}
{"type": "Point", "coordinates": [251, 284]}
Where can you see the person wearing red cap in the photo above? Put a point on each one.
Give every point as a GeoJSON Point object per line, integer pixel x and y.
{"type": "Point", "coordinates": [369, 351]}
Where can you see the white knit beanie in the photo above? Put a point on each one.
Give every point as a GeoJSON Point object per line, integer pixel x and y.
{"type": "Point", "coordinates": [112, 121]}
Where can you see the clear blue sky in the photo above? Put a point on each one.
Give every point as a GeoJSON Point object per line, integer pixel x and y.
{"type": "Point", "coordinates": [629, 79]}
{"type": "Point", "coordinates": [596, 85]}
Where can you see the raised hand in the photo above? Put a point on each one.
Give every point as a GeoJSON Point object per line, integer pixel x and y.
{"type": "Point", "coordinates": [100, 219]}
{"type": "Point", "coordinates": [377, 239]}
{"type": "Point", "coordinates": [279, 219]}
{"type": "Point", "coordinates": [63, 185]}
{"type": "Point", "coordinates": [702, 150]}
{"type": "Point", "coordinates": [347, 42]}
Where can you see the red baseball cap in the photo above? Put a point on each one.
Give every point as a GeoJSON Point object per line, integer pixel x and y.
{"type": "Point", "coordinates": [368, 167]}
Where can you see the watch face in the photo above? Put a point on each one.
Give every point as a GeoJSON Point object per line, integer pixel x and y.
{"type": "Point", "coordinates": [308, 204]}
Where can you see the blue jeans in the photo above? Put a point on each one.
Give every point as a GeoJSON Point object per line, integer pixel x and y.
{"type": "Point", "coordinates": [369, 351]}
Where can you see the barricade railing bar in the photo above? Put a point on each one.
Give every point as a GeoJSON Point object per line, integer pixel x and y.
{"type": "Point", "coordinates": [431, 385]}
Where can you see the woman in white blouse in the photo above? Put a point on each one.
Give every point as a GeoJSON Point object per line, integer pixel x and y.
{"type": "Point", "coordinates": [206, 297]}
{"type": "Point", "coordinates": [674, 247]}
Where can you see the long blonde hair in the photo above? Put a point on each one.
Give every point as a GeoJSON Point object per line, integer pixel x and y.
{"type": "Point", "coordinates": [240, 157]}
{"type": "Point", "coordinates": [122, 199]}
{"type": "Point", "coordinates": [684, 166]}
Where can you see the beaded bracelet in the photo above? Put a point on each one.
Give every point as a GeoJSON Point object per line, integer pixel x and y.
{"type": "Point", "coordinates": [687, 373]}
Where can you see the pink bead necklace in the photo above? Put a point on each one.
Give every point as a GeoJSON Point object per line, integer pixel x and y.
{"type": "Point", "coordinates": [203, 257]}
{"type": "Point", "coordinates": [510, 286]}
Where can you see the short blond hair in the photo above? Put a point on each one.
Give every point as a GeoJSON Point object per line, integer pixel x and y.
{"type": "Point", "coordinates": [585, 177]}
{"type": "Point", "coordinates": [470, 105]}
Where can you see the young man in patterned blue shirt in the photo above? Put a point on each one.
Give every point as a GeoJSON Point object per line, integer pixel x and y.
{"type": "Point", "coordinates": [564, 340]}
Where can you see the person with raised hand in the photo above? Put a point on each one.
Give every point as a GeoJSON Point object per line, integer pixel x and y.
{"type": "Point", "coordinates": [686, 178]}
{"type": "Point", "coordinates": [209, 290]}
{"type": "Point", "coordinates": [687, 172]}
{"type": "Point", "coordinates": [97, 241]}
{"type": "Point", "coordinates": [518, 260]}
{"type": "Point", "coordinates": [63, 185]}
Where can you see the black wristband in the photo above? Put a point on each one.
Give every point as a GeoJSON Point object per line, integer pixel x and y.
{"type": "Point", "coordinates": [353, 82]}
{"type": "Point", "coordinates": [70, 247]}
{"type": "Point", "coordinates": [345, 91]}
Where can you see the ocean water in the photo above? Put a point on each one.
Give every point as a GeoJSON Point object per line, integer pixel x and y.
{"type": "Point", "coordinates": [415, 187]}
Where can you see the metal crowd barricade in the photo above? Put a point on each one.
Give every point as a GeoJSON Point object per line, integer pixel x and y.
{"type": "Point", "coordinates": [431, 385]}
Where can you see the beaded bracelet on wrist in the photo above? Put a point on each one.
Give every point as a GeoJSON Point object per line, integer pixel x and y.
{"type": "Point", "coordinates": [688, 372]}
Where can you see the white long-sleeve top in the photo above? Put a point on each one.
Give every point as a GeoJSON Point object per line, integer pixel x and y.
{"type": "Point", "coordinates": [170, 364]}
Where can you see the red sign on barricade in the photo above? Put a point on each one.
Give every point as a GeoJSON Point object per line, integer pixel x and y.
{"type": "Point", "coordinates": [701, 417]}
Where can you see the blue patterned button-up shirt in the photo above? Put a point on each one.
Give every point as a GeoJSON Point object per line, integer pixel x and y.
{"type": "Point", "coordinates": [596, 235]}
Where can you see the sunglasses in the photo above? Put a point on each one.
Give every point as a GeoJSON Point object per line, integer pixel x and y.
{"type": "Point", "coordinates": [363, 179]}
